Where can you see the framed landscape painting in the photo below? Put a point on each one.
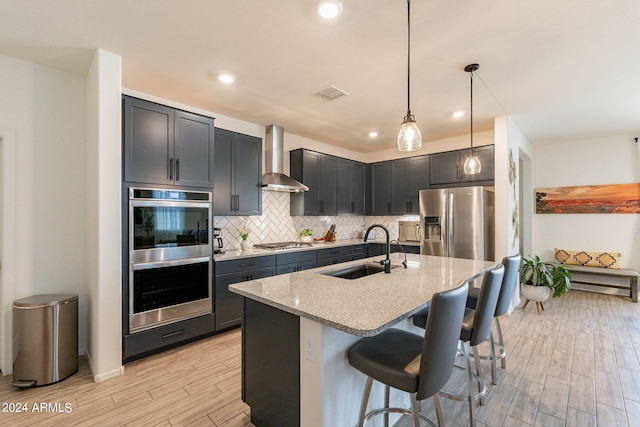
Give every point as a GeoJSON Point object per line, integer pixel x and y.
{"type": "Point", "coordinates": [611, 198]}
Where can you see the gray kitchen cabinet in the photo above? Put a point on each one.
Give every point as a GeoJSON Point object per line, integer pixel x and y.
{"type": "Point", "coordinates": [350, 187]}
{"type": "Point", "coordinates": [334, 255]}
{"type": "Point", "coordinates": [381, 188]}
{"type": "Point", "coordinates": [447, 169]}
{"type": "Point", "coordinates": [237, 174]}
{"type": "Point", "coordinates": [227, 305]}
{"type": "Point", "coordinates": [358, 251]}
{"type": "Point", "coordinates": [163, 145]}
{"type": "Point", "coordinates": [318, 172]}
{"type": "Point", "coordinates": [396, 185]}
{"type": "Point", "coordinates": [295, 261]}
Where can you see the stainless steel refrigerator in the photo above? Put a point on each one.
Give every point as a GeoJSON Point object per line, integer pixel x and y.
{"type": "Point", "coordinates": [458, 222]}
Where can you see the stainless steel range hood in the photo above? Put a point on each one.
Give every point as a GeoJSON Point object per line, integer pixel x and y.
{"type": "Point", "coordinates": [274, 179]}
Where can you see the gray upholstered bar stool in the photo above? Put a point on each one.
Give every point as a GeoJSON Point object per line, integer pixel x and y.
{"type": "Point", "coordinates": [509, 282]}
{"type": "Point", "coordinates": [476, 327]}
{"type": "Point", "coordinates": [419, 365]}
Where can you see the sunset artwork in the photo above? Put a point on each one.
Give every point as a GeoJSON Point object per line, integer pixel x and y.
{"type": "Point", "coordinates": [612, 198]}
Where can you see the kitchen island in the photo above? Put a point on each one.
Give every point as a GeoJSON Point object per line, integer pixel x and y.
{"type": "Point", "coordinates": [297, 328]}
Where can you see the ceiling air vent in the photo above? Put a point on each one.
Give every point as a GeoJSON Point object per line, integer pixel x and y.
{"type": "Point", "coordinates": [331, 93]}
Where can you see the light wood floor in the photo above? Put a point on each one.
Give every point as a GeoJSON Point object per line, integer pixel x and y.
{"type": "Point", "coordinates": [574, 365]}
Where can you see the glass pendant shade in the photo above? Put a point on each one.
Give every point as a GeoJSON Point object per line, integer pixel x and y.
{"type": "Point", "coordinates": [409, 137]}
{"type": "Point", "coordinates": [472, 165]}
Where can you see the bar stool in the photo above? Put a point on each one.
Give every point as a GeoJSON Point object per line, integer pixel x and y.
{"type": "Point", "coordinates": [419, 365]}
{"type": "Point", "coordinates": [476, 327]}
{"type": "Point", "coordinates": [509, 282]}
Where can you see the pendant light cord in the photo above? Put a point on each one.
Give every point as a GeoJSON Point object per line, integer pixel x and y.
{"type": "Point", "coordinates": [471, 112]}
{"type": "Point", "coordinates": [408, 55]}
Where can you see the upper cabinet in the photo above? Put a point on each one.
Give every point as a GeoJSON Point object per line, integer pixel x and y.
{"type": "Point", "coordinates": [237, 174]}
{"type": "Point", "coordinates": [396, 185]}
{"type": "Point", "coordinates": [163, 145]}
{"type": "Point", "coordinates": [350, 187]}
{"type": "Point", "coordinates": [336, 185]}
{"type": "Point", "coordinates": [447, 169]}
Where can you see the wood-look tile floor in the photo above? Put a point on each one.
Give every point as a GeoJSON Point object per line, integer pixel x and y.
{"type": "Point", "coordinates": [574, 365]}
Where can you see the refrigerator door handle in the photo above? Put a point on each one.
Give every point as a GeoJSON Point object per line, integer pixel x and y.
{"type": "Point", "coordinates": [450, 226]}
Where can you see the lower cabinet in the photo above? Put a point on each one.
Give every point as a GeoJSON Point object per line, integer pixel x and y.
{"type": "Point", "coordinates": [162, 338]}
{"type": "Point", "coordinates": [358, 251]}
{"type": "Point", "coordinates": [227, 305]}
{"type": "Point", "coordinates": [333, 255]}
{"type": "Point", "coordinates": [297, 261]}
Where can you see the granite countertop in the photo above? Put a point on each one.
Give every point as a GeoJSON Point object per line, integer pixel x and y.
{"type": "Point", "coordinates": [364, 306]}
{"type": "Point", "coordinates": [235, 254]}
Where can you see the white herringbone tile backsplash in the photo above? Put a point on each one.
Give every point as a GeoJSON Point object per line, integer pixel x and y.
{"type": "Point", "coordinates": [277, 225]}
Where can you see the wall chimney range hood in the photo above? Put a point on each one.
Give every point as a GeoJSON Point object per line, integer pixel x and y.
{"type": "Point", "coordinates": [274, 179]}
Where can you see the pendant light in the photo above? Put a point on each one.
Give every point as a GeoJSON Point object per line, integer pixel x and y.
{"type": "Point", "coordinates": [472, 164]}
{"type": "Point", "coordinates": [409, 137]}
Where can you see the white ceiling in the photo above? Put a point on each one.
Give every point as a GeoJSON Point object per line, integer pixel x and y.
{"type": "Point", "coordinates": [562, 69]}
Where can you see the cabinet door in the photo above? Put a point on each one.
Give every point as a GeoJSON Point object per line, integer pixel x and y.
{"type": "Point", "coordinates": [343, 187]}
{"type": "Point", "coordinates": [228, 305]}
{"type": "Point", "coordinates": [311, 178]}
{"type": "Point", "coordinates": [419, 177]}
{"type": "Point", "coordinates": [443, 167]}
{"type": "Point", "coordinates": [248, 174]}
{"type": "Point", "coordinates": [357, 181]}
{"type": "Point", "coordinates": [327, 185]}
{"type": "Point", "coordinates": [223, 201]}
{"type": "Point", "coordinates": [148, 142]}
{"type": "Point", "coordinates": [486, 156]}
{"type": "Point", "coordinates": [381, 188]}
{"type": "Point", "coordinates": [193, 150]}
{"type": "Point", "coordinates": [400, 186]}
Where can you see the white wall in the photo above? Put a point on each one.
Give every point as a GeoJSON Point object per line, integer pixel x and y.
{"type": "Point", "coordinates": [606, 160]}
{"type": "Point", "coordinates": [42, 109]}
{"type": "Point", "coordinates": [103, 219]}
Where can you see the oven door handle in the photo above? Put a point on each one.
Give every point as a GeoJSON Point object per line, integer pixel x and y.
{"type": "Point", "coordinates": [168, 204]}
{"type": "Point", "coordinates": [169, 263]}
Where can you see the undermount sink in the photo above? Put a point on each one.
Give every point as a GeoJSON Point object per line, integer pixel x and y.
{"type": "Point", "coordinates": [357, 271]}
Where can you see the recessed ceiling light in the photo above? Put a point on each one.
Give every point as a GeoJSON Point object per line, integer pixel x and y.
{"type": "Point", "coordinates": [458, 114]}
{"type": "Point", "coordinates": [226, 78]}
{"type": "Point", "coordinates": [373, 134]}
{"type": "Point", "coordinates": [329, 9]}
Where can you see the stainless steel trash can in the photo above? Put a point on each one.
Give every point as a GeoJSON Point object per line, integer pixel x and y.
{"type": "Point", "coordinates": [45, 339]}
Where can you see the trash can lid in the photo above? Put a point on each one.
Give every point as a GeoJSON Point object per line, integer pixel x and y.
{"type": "Point", "coordinates": [46, 300]}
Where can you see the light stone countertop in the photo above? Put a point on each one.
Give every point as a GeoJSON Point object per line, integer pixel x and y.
{"type": "Point", "coordinates": [235, 254]}
{"type": "Point", "coordinates": [368, 305]}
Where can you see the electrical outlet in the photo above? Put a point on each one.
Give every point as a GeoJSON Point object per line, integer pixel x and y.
{"type": "Point", "coordinates": [309, 349]}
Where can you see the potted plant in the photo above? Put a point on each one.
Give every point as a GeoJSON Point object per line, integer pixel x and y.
{"type": "Point", "coordinates": [306, 235]}
{"type": "Point", "coordinates": [540, 279]}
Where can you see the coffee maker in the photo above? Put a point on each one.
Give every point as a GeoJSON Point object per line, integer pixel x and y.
{"type": "Point", "coordinates": [217, 241]}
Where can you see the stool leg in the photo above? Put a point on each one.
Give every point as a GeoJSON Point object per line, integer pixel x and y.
{"type": "Point", "coordinates": [386, 404]}
{"type": "Point", "coordinates": [525, 304]}
{"type": "Point", "coordinates": [492, 356]}
{"type": "Point", "coordinates": [476, 358]}
{"type": "Point", "coordinates": [436, 397]}
{"type": "Point", "coordinates": [365, 400]}
{"type": "Point", "coordinates": [472, 409]}
{"type": "Point", "coordinates": [415, 410]}
{"type": "Point", "coordinates": [503, 358]}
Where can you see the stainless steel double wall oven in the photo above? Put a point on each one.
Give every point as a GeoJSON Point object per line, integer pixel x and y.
{"type": "Point", "coordinates": [170, 260]}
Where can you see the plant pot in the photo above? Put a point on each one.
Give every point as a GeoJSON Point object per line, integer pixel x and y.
{"type": "Point", "coordinates": [306, 239]}
{"type": "Point", "coordinates": [244, 245]}
{"type": "Point", "coordinates": [535, 293]}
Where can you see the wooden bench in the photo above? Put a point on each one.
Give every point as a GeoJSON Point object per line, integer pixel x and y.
{"type": "Point", "coordinates": [589, 276]}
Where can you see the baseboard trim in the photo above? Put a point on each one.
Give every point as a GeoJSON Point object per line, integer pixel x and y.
{"type": "Point", "coordinates": [105, 375]}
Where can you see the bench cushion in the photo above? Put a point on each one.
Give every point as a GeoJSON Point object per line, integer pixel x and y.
{"type": "Point", "coordinates": [588, 259]}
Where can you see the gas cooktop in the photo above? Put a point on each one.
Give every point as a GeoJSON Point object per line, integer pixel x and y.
{"type": "Point", "coordinates": [282, 245]}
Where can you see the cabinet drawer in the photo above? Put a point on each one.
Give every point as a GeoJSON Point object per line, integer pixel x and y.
{"type": "Point", "coordinates": [291, 257]}
{"type": "Point", "coordinates": [238, 265]}
{"type": "Point", "coordinates": [295, 266]}
{"type": "Point", "coordinates": [322, 262]}
{"type": "Point", "coordinates": [161, 338]}
{"type": "Point", "coordinates": [334, 252]}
